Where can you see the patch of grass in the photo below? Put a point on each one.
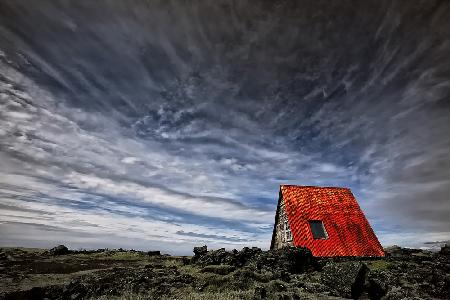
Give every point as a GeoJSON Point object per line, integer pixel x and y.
{"type": "Point", "coordinates": [170, 261]}
{"type": "Point", "coordinates": [225, 295]}
{"type": "Point", "coordinates": [110, 255]}
{"type": "Point", "coordinates": [241, 279]}
{"type": "Point", "coordinates": [126, 296]}
{"type": "Point", "coordinates": [218, 269]}
{"type": "Point", "coordinates": [379, 265]}
{"type": "Point", "coordinates": [216, 283]}
{"type": "Point", "coordinates": [422, 254]}
{"type": "Point", "coordinates": [183, 295]}
{"type": "Point", "coordinates": [189, 269]}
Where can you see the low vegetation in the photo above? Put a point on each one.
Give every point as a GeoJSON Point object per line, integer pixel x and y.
{"type": "Point", "coordinates": [251, 274]}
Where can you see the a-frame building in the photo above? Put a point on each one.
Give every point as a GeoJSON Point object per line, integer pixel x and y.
{"type": "Point", "coordinates": [327, 220]}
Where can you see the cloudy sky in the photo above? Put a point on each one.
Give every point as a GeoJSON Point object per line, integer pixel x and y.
{"type": "Point", "coordinates": [169, 124]}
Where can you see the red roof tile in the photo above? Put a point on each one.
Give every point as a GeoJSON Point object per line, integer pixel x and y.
{"type": "Point", "coordinates": [349, 232]}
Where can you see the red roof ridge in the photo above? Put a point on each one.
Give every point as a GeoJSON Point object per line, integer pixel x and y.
{"type": "Point", "coordinates": [314, 186]}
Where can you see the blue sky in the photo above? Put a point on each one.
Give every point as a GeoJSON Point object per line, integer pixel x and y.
{"type": "Point", "coordinates": [165, 125]}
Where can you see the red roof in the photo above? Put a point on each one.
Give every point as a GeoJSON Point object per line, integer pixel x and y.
{"type": "Point", "coordinates": [349, 233]}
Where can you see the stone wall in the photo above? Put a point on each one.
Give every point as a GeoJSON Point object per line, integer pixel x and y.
{"type": "Point", "coordinates": [283, 235]}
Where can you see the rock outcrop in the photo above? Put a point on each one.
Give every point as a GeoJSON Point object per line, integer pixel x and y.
{"type": "Point", "coordinates": [289, 259]}
{"type": "Point", "coordinates": [346, 279]}
{"type": "Point", "coordinates": [445, 250]}
{"type": "Point", "coordinates": [59, 250]}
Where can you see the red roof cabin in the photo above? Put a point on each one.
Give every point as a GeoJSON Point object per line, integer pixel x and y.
{"type": "Point", "coordinates": [327, 220]}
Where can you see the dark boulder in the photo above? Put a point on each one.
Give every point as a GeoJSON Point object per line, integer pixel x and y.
{"type": "Point", "coordinates": [376, 288]}
{"type": "Point", "coordinates": [59, 250]}
{"type": "Point", "coordinates": [214, 257]}
{"type": "Point", "coordinates": [445, 250]}
{"type": "Point", "coordinates": [153, 253]}
{"type": "Point", "coordinates": [217, 257]}
{"type": "Point", "coordinates": [407, 253]}
{"type": "Point", "coordinates": [204, 257]}
{"type": "Point", "coordinates": [200, 251]}
{"type": "Point", "coordinates": [289, 259]}
{"type": "Point", "coordinates": [396, 251]}
{"type": "Point", "coordinates": [345, 279]}
{"type": "Point", "coordinates": [247, 254]}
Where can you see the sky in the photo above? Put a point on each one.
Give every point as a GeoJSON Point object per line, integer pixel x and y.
{"type": "Point", "coordinates": [163, 125]}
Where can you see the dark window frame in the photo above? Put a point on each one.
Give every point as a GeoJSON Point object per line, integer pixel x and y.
{"type": "Point", "coordinates": [287, 234]}
{"type": "Point", "coordinates": [318, 229]}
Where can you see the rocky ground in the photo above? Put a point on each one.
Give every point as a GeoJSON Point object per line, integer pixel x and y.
{"type": "Point", "coordinates": [251, 273]}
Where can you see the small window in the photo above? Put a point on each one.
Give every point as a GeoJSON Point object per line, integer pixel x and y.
{"type": "Point", "coordinates": [318, 230]}
{"type": "Point", "coordinates": [287, 236]}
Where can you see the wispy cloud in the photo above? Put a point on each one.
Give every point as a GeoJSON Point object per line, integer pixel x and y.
{"type": "Point", "coordinates": [166, 125]}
